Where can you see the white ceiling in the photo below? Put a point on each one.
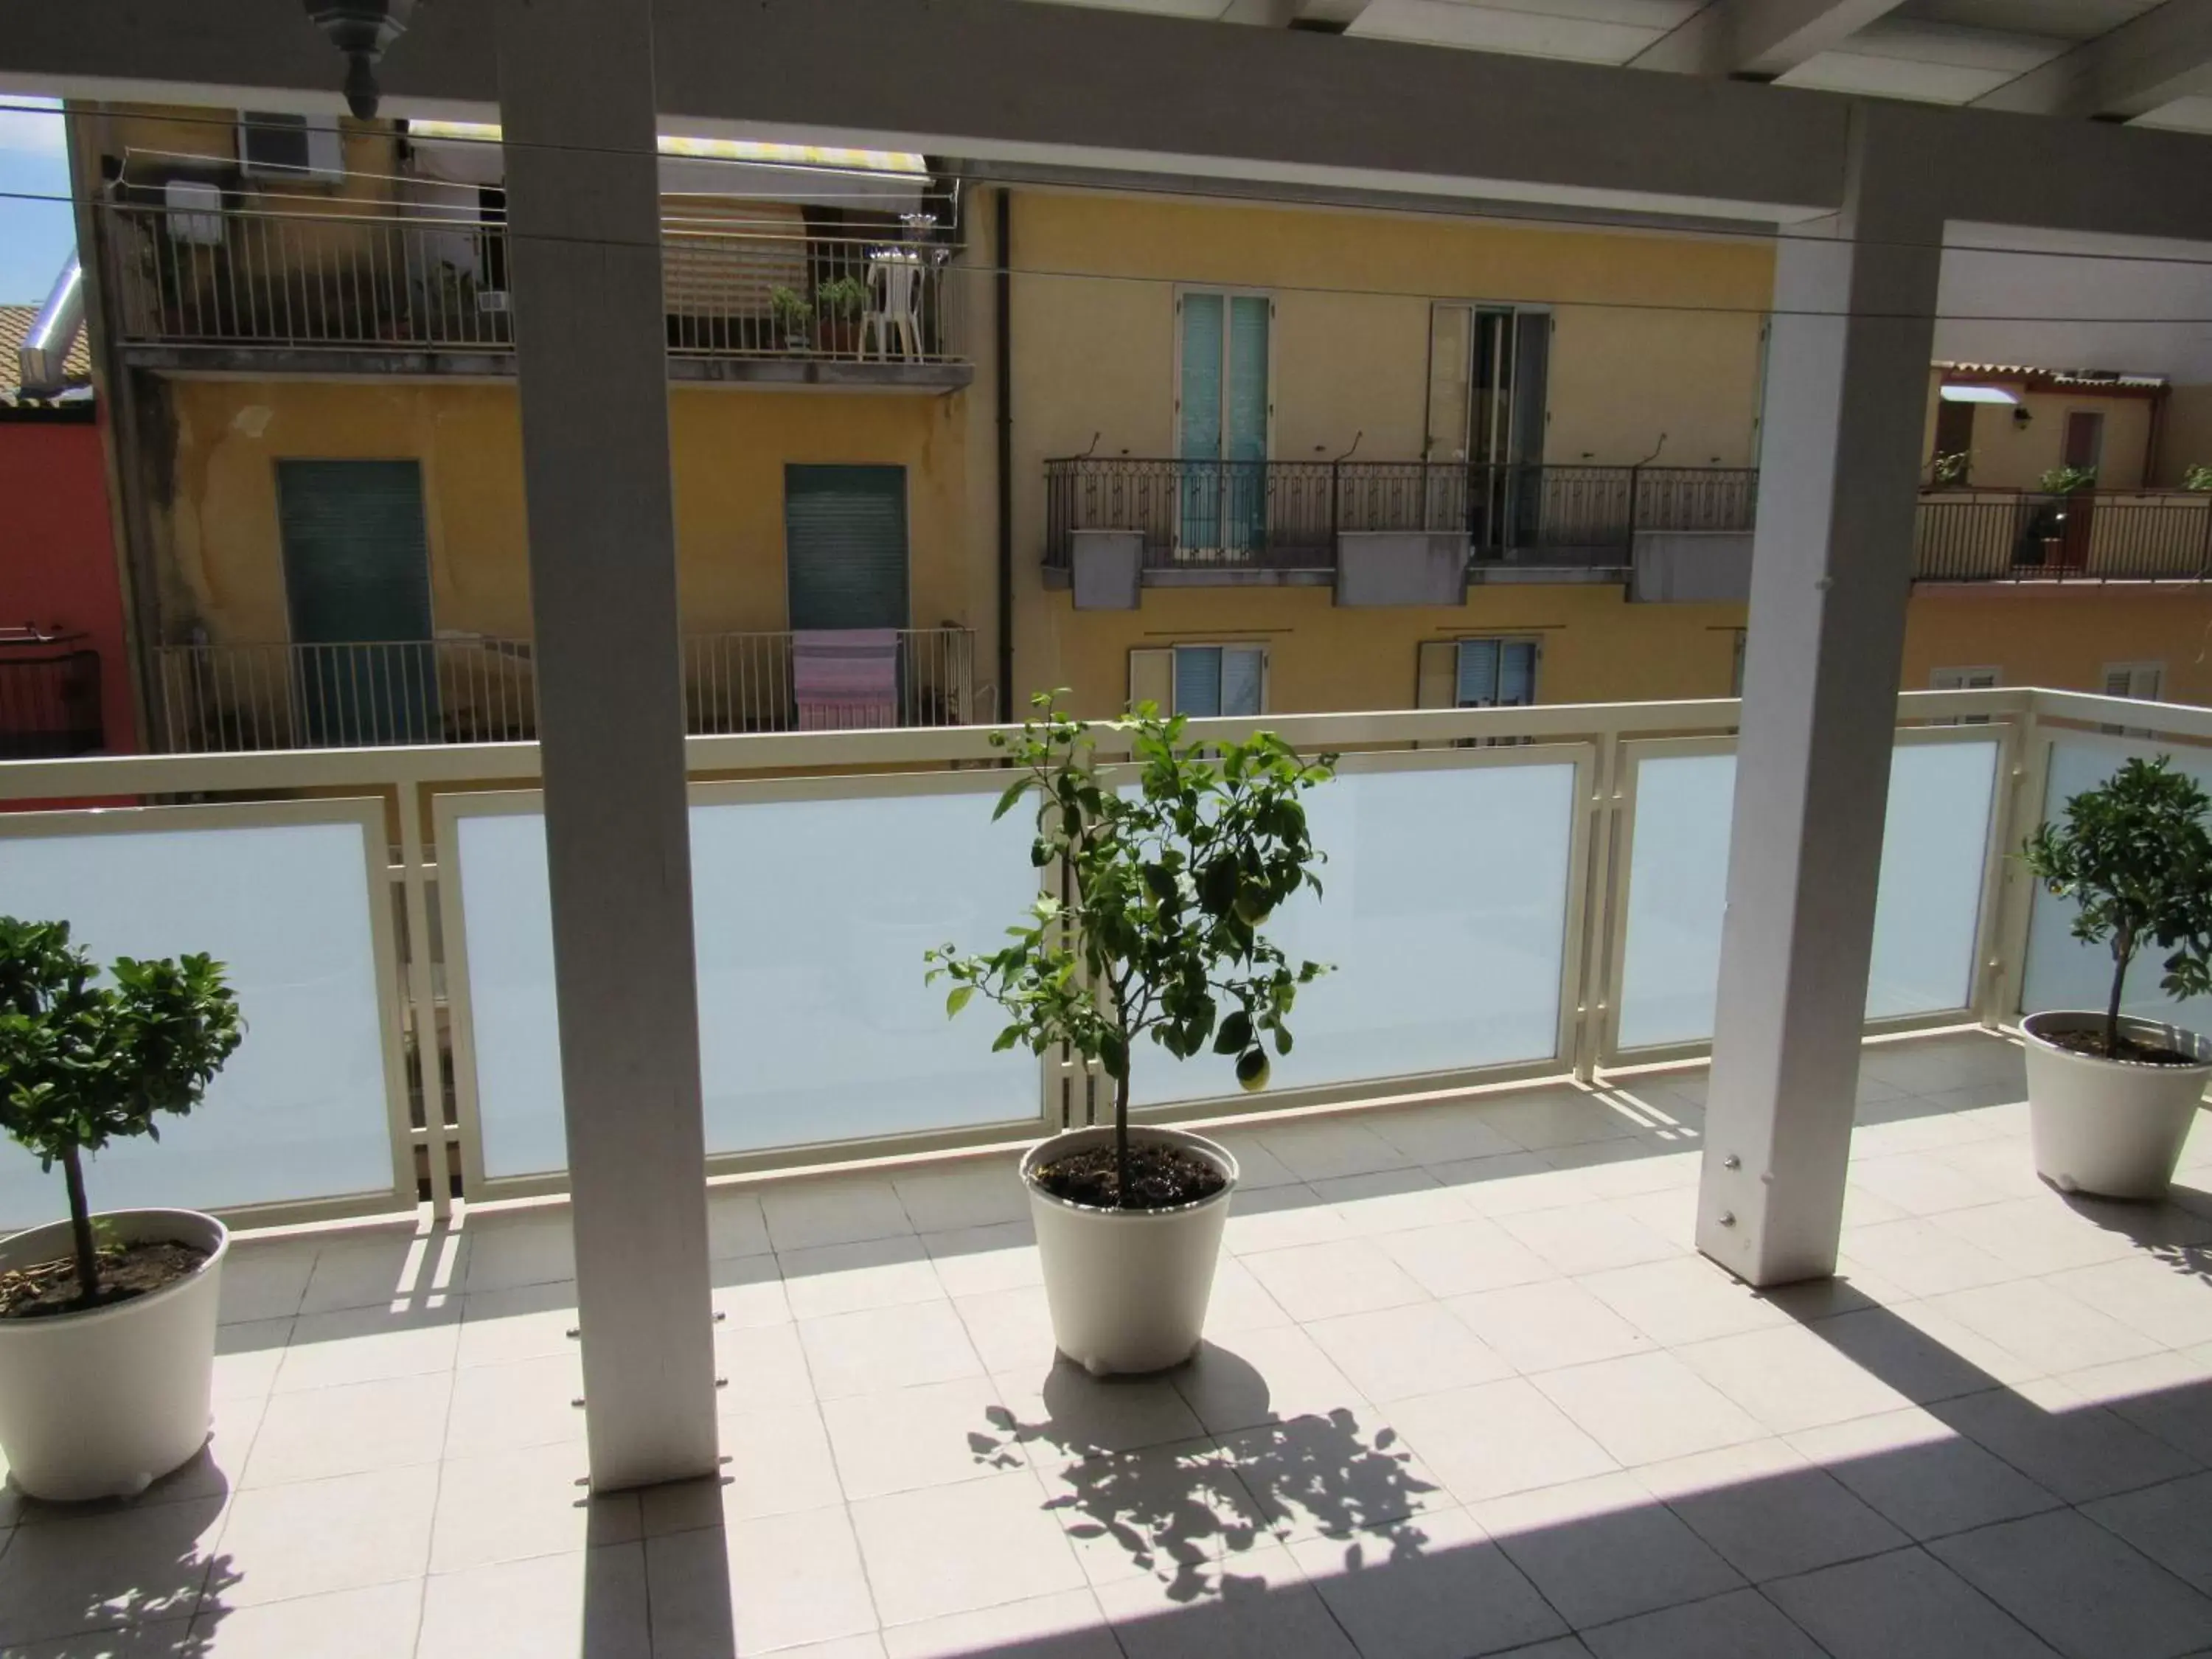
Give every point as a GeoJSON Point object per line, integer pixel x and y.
{"type": "Point", "coordinates": [1945, 51]}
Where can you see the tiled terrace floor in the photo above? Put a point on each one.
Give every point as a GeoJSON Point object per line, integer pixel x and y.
{"type": "Point", "coordinates": [1468, 1391]}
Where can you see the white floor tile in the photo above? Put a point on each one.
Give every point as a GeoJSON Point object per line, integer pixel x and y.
{"type": "Point", "coordinates": [1012, 1329]}
{"type": "Point", "coordinates": [2167, 1299]}
{"type": "Point", "coordinates": [1789, 1379]}
{"type": "Point", "coordinates": [1316, 1149]}
{"type": "Point", "coordinates": [122, 1568]}
{"type": "Point", "coordinates": [1461, 1258]}
{"type": "Point", "coordinates": [1175, 1517]}
{"type": "Point", "coordinates": [388, 1267]}
{"type": "Point", "coordinates": [762, 1367]}
{"type": "Point", "coordinates": [971, 1193]}
{"type": "Point", "coordinates": [587, 1602]}
{"type": "Point", "coordinates": [1538, 1327]}
{"type": "Point", "coordinates": [1070, 1625]}
{"type": "Point", "coordinates": [1398, 1352]}
{"type": "Point", "coordinates": [2079, 1588]}
{"type": "Point", "coordinates": [1588, 1241]}
{"type": "Point", "coordinates": [1740, 1625]}
{"type": "Point", "coordinates": [1280, 1219]}
{"type": "Point", "coordinates": [920, 1436]}
{"type": "Point", "coordinates": [369, 1345]}
{"type": "Point", "coordinates": [2171, 1523]}
{"type": "Point", "coordinates": [735, 1226]}
{"type": "Point", "coordinates": [266, 1278]}
{"type": "Point", "coordinates": [1444, 1133]}
{"type": "Point", "coordinates": [2077, 1450]}
{"type": "Point", "coordinates": [1920, 1475]}
{"type": "Point", "coordinates": [1647, 1408]}
{"type": "Point", "coordinates": [2040, 1234]}
{"type": "Point", "coordinates": [1261, 1377]}
{"type": "Point", "coordinates": [351, 1430]}
{"type": "Point", "coordinates": [529, 1402]}
{"type": "Point", "coordinates": [842, 1211]}
{"type": "Point", "coordinates": [843, 1279]}
{"type": "Point", "coordinates": [1435, 1587]}
{"type": "Point", "coordinates": [1497, 1439]}
{"type": "Point", "coordinates": [757, 1586]}
{"type": "Point", "coordinates": [1264, 1609]}
{"type": "Point", "coordinates": [1923, 1353]}
{"type": "Point", "coordinates": [1240, 1303]}
{"type": "Point", "coordinates": [316, 1536]}
{"type": "Point", "coordinates": [1068, 1414]}
{"type": "Point", "coordinates": [1330, 1475]}
{"type": "Point", "coordinates": [955, 1549]}
{"type": "Point", "coordinates": [1604, 1549]}
{"type": "Point", "coordinates": [1920, 1184]}
{"type": "Point", "coordinates": [1903, 1605]}
{"type": "Point", "coordinates": [1322, 1281]}
{"type": "Point", "coordinates": [1686, 1299]}
{"type": "Point", "coordinates": [247, 1357]}
{"type": "Point", "coordinates": [1556, 1117]}
{"type": "Point", "coordinates": [775, 1461]}
{"type": "Point", "coordinates": [514, 1504]}
{"type": "Point", "coordinates": [1923, 1259]}
{"type": "Point", "coordinates": [747, 1293]}
{"type": "Point", "coordinates": [974, 1260]}
{"type": "Point", "coordinates": [2044, 1326]}
{"type": "Point", "coordinates": [376, 1623]}
{"type": "Point", "coordinates": [528, 1323]}
{"type": "Point", "coordinates": [1392, 1201]}
{"type": "Point", "coordinates": [1769, 1511]}
{"type": "Point", "coordinates": [524, 1247]}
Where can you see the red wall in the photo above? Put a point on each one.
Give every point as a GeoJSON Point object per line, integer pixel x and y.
{"type": "Point", "coordinates": [57, 553]}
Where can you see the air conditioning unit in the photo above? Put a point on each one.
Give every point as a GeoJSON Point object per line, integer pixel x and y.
{"type": "Point", "coordinates": [193, 212]}
{"type": "Point", "coordinates": [299, 148]}
{"type": "Point", "coordinates": [492, 299]}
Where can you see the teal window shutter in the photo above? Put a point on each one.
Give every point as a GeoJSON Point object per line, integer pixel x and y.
{"type": "Point", "coordinates": [1247, 421]}
{"type": "Point", "coordinates": [1516, 673]}
{"type": "Point", "coordinates": [1243, 672]}
{"type": "Point", "coordinates": [1478, 673]}
{"type": "Point", "coordinates": [1199, 432]}
{"type": "Point", "coordinates": [1198, 680]}
{"type": "Point", "coordinates": [845, 546]}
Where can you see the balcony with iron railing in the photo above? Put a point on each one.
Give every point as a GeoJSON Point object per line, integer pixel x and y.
{"type": "Point", "coordinates": [1983, 536]}
{"type": "Point", "coordinates": [1199, 517]}
{"type": "Point", "coordinates": [424, 294]}
{"type": "Point", "coordinates": [474, 689]}
{"type": "Point", "coordinates": [49, 702]}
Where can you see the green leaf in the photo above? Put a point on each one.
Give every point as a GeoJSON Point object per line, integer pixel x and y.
{"type": "Point", "coordinates": [1014, 792]}
{"type": "Point", "coordinates": [957, 999]}
{"type": "Point", "coordinates": [1235, 1033]}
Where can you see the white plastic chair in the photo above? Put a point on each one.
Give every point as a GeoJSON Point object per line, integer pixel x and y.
{"type": "Point", "coordinates": [894, 322]}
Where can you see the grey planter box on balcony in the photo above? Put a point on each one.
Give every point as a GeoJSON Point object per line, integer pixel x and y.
{"type": "Point", "coordinates": [1400, 567]}
{"type": "Point", "coordinates": [1107, 567]}
{"type": "Point", "coordinates": [1693, 567]}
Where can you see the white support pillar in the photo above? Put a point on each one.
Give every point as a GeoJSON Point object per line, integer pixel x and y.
{"type": "Point", "coordinates": [1846, 392]}
{"type": "Point", "coordinates": [583, 193]}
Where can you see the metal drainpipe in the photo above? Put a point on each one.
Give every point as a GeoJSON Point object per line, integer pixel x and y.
{"type": "Point", "coordinates": [1003, 285]}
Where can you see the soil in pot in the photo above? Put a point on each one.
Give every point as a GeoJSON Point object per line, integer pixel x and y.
{"type": "Point", "coordinates": [1161, 1177]}
{"type": "Point", "coordinates": [2092, 1042]}
{"type": "Point", "coordinates": [125, 1271]}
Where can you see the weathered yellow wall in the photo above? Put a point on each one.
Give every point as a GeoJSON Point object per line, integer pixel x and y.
{"type": "Point", "coordinates": [2010, 456]}
{"type": "Point", "coordinates": [1595, 647]}
{"type": "Point", "coordinates": [2185, 435]}
{"type": "Point", "coordinates": [224, 561]}
{"type": "Point", "coordinates": [1654, 336]}
{"type": "Point", "coordinates": [2063, 637]}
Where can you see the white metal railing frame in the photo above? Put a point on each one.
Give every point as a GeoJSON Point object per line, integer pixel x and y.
{"type": "Point", "coordinates": [422, 787]}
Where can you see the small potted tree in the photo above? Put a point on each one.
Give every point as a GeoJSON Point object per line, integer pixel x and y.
{"type": "Point", "coordinates": [107, 1323]}
{"type": "Point", "coordinates": [793, 319]}
{"type": "Point", "coordinates": [840, 301]}
{"type": "Point", "coordinates": [1168, 880]}
{"type": "Point", "coordinates": [2111, 1097]}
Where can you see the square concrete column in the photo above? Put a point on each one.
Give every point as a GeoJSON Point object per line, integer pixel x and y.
{"type": "Point", "coordinates": [1839, 464]}
{"type": "Point", "coordinates": [583, 202]}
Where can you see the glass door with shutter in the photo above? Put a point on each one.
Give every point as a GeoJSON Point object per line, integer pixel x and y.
{"type": "Point", "coordinates": [1487, 380]}
{"type": "Point", "coordinates": [1223, 413]}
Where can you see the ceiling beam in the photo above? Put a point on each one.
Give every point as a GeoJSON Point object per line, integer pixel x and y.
{"type": "Point", "coordinates": [2151, 59]}
{"type": "Point", "coordinates": [1760, 38]}
{"type": "Point", "coordinates": [1322, 16]}
{"type": "Point", "coordinates": [1013, 81]}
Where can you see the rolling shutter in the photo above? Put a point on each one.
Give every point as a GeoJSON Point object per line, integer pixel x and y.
{"type": "Point", "coordinates": [356, 561]}
{"type": "Point", "coordinates": [845, 532]}
{"type": "Point", "coordinates": [721, 257]}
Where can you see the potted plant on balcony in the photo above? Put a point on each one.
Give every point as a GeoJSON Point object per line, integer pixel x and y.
{"type": "Point", "coordinates": [1170, 878]}
{"type": "Point", "coordinates": [2111, 1097]}
{"type": "Point", "coordinates": [841, 301]}
{"type": "Point", "coordinates": [107, 1323]}
{"type": "Point", "coordinates": [793, 319]}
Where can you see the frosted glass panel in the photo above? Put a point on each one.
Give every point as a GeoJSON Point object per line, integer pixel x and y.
{"type": "Point", "coordinates": [1445, 914]}
{"type": "Point", "coordinates": [1926, 910]}
{"type": "Point", "coordinates": [2062, 972]}
{"type": "Point", "coordinates": [300, 1111]}
{"type": "Point", "coordinates": [810, 918]}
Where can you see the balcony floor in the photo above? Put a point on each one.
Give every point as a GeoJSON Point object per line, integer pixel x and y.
{"type": "Point", "coordinates": [1468, 1390]}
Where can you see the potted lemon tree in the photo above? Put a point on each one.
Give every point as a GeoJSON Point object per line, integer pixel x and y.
{"type": "Point", "coordinates": [1168, 880]}
{"type": "Point", "coordinates": [107, 1322]}
{"type": "Point", "coordinates": [2111, 1097]}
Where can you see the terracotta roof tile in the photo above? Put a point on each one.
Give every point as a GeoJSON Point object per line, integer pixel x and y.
{"type": "Point", "coordinates": [15, 328]}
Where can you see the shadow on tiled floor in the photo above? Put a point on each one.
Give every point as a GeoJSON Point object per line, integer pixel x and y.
{"type": "Point", "coordinates": [1467, 1388]}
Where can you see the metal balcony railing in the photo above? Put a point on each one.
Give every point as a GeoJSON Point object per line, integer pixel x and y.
{"type": "Point", "coordinates": [49, 697]}
{"type": "Point", "coordinates": [234, 698]}
{"type": "Point", "coordinates": [413, 282]}
{"type": "Point", "coordinates": [1991, 536]}
{"type": "Point", "coordinates": [1286, 515]}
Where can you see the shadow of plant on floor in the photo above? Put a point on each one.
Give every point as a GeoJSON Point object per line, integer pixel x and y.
{"type": "Point", "coordinates": [1122, 1461]}
{"type": "Point", "coordinates": [2176, 1231]}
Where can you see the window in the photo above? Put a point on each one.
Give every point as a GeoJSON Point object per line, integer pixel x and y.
{"type": "Point", "coordinates": [1201, 680]}
{"type": "Point", "coordinates": [1224, 417]}
{"type": "Point", "coordinates": [1965, 679]}
{"type": "Point", "coordinates": [1735, 662]}
{"type": "Point", "coordinates": [2144, 680]}
{"type": "Point", "coordinates": [272, 146]}
{"type": "Point", "coordinates": [1495, 674]}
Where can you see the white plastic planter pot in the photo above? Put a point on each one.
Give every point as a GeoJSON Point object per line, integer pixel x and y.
{"type": "Point", "coordinates": [103, 1404]}
{"type": "Point", "coordinates": [1128, 1288]}
{"type": "Point", "coordinates": [2110, 1127]}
